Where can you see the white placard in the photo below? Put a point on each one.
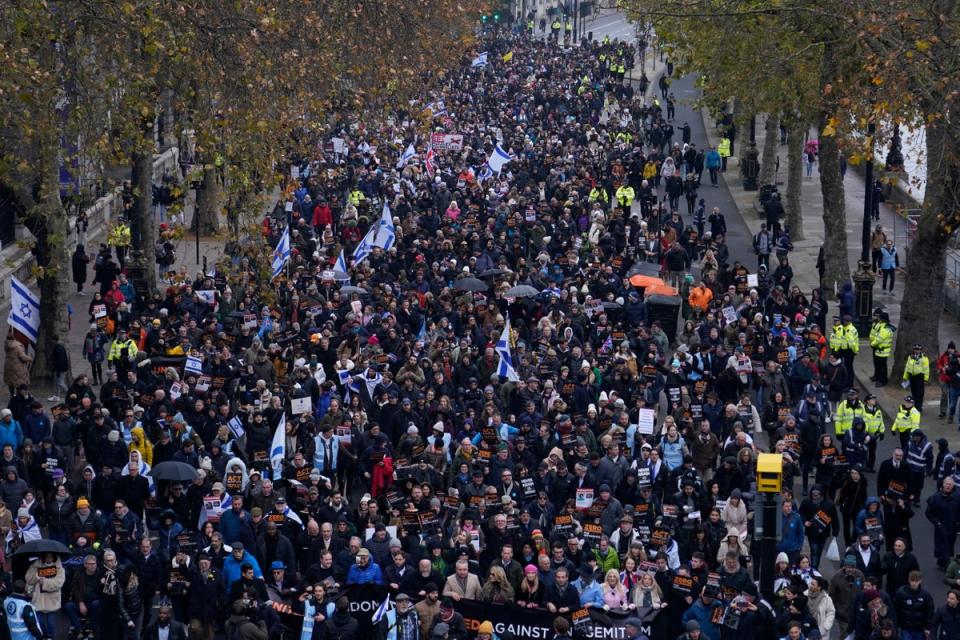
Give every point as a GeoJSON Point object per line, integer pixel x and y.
{"type": "Point", "coordinates": [646, 419]}
{"type": "Point", "coordinates": [584, 498]}
{"type": "Point", "coordinates": [729, 315]}
{"type": "Point", "coordinates": [288, 207]}
{"type": "Point", "coordinates": [99, 311]}
{"type": "Point", "coordinates": [300, 405]}
{"type": "Point", "coordinates": [752, 280]}
{"type": "Point", "coordinates": [175, 391]}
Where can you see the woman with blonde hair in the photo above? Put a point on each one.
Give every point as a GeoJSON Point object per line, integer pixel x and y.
{"type": "Point", "coordinates": [614, 593]}
{"type": "Point", "coordinates": [647, 593]}
{"type": "Point", "coordinates": [497, 589]}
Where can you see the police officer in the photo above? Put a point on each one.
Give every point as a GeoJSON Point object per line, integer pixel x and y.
{"type": "Point", "coordinates": [906, 422]}
{"type": "Point", "coordinates": [625, 195]}
{"type": "Point", "coordinates": [21, 618]}
{"type": "Point", "coordinates": [873, 420]}
{"type": "Point", "coordinates": [851, 339]}
{"type": "Point", "coordinates": [881, 341]}
{"type": "Point", "coordinates": [917, 373]}
{"type": "Point", "coordinates": [847, 410]}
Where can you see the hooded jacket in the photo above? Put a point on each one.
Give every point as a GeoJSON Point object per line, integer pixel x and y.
{"type": "Point", "coordinates": [140, 442]}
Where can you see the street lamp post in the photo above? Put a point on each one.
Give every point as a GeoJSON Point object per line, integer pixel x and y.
{"type": "Point", "coordinates": [864, 279]}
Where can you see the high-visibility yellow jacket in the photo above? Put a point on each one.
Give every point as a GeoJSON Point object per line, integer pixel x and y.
{"type": "Point", "coordinates": [838, 338]}
{"type": "Point", "coordinates": [917, 367]}
{"type": "Point", "coordinates": [598, 195]}
{"type": "Point", "coordinates": [851, 337]}
{"type": "Point", "coordinates": [724, 147]}
{"type": "Point", "coordinates": [116, 349]}
{"type": "Point", "coordinates": [873, 419]}
{"type": "Point", "coordinates": [625, 196]}
{"type": "Point", "coordinates": [881, 339]}
{"type": "Point", "coordinates": [907, 420]}
{"type": "Point", "coordinates": [356, 197]}
{"type": "Point", "coordinates": [845, 415]}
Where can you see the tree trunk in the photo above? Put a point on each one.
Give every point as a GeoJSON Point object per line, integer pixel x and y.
{"type": "Point", "coordinates": [920, 322]}
{"type": "Point", "coordinates": [143, 231]}
{"type": "Point", "coordinates": [207, 210]}
{"type": "Point", "coordinates": [768, 162]}
{"type": "Point", "coordinates": [794, 180]}
{"type": "Point", "coordinates": [836, 263]}
{"type": "Point", "coordinates": [51, 229]}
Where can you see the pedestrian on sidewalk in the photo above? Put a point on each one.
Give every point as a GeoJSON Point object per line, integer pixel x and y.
{"type": "Point", "coordinates": [713, 164]}
{"type": "Point", "coordinates": [810, 158]}
{"type": "Point", "coordinates": [943, 512]}
{"type": "Point", "coordinates": [763, 246]}
{"type": "Point", "coordinates": [79, 264]}
{"type": "Point", "coordinates": [724, 150]}
{"type": "Point", "coordinates": [877, 239]}
{"type": "Point", "coordinates": [889, 262]}
{"type": "Point", "coordinates": [948, 374]}
{"type": "Point", "coordinates": [60, 364]}
{"type": "Point", "coordinates": [906, 422]}
{"type": "Point", "coordinates": [94, 350]}
{"type": "Point", "coordinates": [916, 374]}
{"type": "Point", "coordinates": [690, 192]}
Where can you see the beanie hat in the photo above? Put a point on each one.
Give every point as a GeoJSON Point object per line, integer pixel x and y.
{"type": "Point", "coordinates": [782, 557]}
{"type": "Point", "coordinates": [113, 436]}
{"type": "Point", "coordinates": [83, 503]}
{"type": "Point", "coordinates": [850, 560]}
{"type": "Point", "coordinates": [485, 627]}
{"type": "Point", "coordinates": [693, 625]}
{"type": "Point", "coordinates": [23, 512]}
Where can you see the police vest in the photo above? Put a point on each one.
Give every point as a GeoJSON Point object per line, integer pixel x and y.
{"type": "Point", "coordinates": [838, 339]}
{"type": "Point", "coordinates": [917, 367]}
{"type": "Point", "coordinates": [873, 420]}
{"type": "Point", "coordinates": [916, 456]}
{"type": "Point", "coordinates": [907, 420]}
{"type": "Point", "coordinates": [724, 148]}
{"type": "Point", "coordinates": [15, 609]}
{"type": "Point", "coordinates": [846, 414]}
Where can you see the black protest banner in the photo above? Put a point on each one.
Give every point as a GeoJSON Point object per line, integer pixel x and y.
{"type": "Point", "coordinates": [529, 624]}
{"type": "Point", "coordinates": [537, 624]}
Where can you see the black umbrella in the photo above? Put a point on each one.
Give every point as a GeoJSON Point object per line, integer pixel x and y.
{"type": "Point", "coordinates": [607, 304]}
{"type": "Point", "coordinates": [173, 471]}
{"type": "Point", "coordinates": [522, 291]}
{"type": "Point", "coordinates": [470, 284]}
{"type": "Point", "coordinates": [349, 289]}
{"type": "Point", "coordinates": [42, 546]}
{"type": "Point", "coordinates": [644, 268]}
{"type": "Point", "coordinates": [490, 273]}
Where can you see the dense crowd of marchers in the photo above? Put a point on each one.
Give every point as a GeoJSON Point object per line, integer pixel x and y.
{"type": "Point", "coordinates": [259, 448]}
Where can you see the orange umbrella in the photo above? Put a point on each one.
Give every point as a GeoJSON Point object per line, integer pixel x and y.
{"type": "Point", "coordinates": [640, 280]}
{"type": "Point", "coordinates": [661, 289]}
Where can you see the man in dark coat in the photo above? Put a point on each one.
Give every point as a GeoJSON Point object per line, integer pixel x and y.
{"type": "Point", "coordinates": [943, 512]}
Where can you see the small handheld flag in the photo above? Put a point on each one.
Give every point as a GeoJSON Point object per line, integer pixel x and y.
{"type": "Point", "coordinates": [505, 368]}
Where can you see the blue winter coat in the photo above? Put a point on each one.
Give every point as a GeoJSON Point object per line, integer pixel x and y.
{"type": "Point", "coordinates": [792, 539]}
{"type": "Point", "coordinates": [703, 614]}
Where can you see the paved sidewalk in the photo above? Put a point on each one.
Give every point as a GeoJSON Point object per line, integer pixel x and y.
{"type": "Point", "coordinates": [210, 247]}
{"type": "Point", "coordinates": [804, 257]}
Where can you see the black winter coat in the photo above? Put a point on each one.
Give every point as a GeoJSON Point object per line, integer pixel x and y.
{"type": "Point", "coordinates": [914, 608]}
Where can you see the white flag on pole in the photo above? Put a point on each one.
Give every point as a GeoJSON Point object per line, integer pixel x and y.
{"type": "Point", "coordinates": [498, 159]}
{"type": "Point", "coordinates": [278, 449]}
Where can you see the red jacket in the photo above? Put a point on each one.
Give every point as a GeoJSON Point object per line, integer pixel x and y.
{"type": "Point", "coordinates": [322, 215]}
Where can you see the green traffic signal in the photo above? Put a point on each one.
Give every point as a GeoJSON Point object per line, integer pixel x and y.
{"type": "Point", "coordinates": [483, 18]}
{"type": "Point", "coordinates": [496, 17]}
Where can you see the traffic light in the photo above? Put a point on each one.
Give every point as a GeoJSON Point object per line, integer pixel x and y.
{"type": "Point", "coordinates": [496, 17]}
{"type": "Point", "coordinates": [483, 18]}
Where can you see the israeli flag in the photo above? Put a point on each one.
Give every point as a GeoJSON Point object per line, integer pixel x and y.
{"type": "Point", "coordinates": [236, 427]}
{"type": "Point", "coordinates": [281, 254]}
{"type": "Point", "coordinates": [479, 61]}
{"type": "Point", "coordinates": [484, 174]}
{"type": "Point", "coordinates": [341, 263]}
{"type": "Point", "coordinates": [209, 296]}
{"type": "Point", "coordinates": [505, 367]}
{"type": "Point", "coordinates": [381, 610]}
{"type": "Point", "coordinates": [407, 155]}
{"type": "Point", "coordinates": [365, 248]}
{"type": "Point", "coordinates": [386, 231]}
{"type": "Point", "coordinates": [278, 449]}
{"type": "Point", "coordinates": [422, 334]}
{"type": "Point", "coordinates": [194, 364]}
{"type": "Point", "coordinates": [498, 159]}
{"type": "Point", "coordinates": [24, 310]}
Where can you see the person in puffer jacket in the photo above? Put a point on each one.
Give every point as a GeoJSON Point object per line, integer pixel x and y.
{"type": "Point", "coordinates": [946, 621]}
{"type": "Point", "coordinates": [914, 608]}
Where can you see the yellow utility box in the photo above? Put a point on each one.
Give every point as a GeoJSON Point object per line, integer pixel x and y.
{"type": "Point", "coordinates": [769, 472]}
